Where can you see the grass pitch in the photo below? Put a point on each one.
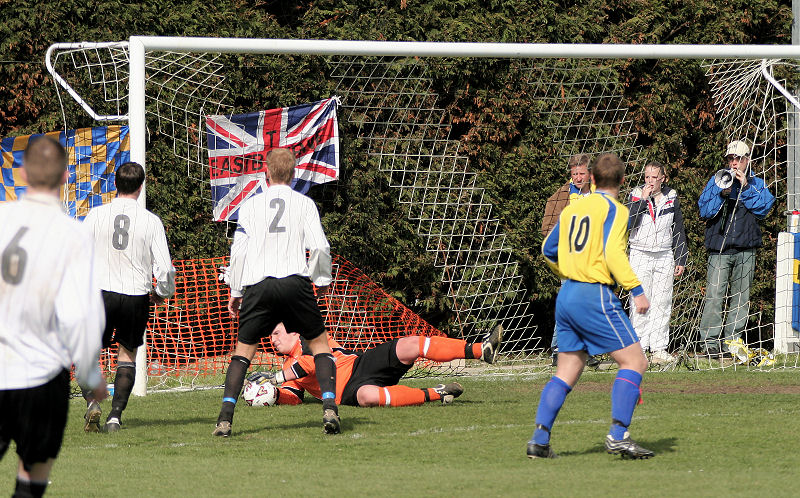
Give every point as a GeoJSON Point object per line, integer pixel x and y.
{"type": "Point", "coordinates": [714, 434]}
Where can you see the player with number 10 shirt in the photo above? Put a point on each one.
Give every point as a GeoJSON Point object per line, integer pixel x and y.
{"type": "Point", "coordinates": [587, 248]}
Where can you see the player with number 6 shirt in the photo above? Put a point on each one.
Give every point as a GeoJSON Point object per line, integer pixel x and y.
{"type": "Point", "coordinates": [50, 316]}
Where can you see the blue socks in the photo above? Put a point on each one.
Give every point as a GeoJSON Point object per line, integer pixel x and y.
{"type": "Point", "coordinates": [624, 395]}
{"type": "Point", "coordinates": [553, 395]}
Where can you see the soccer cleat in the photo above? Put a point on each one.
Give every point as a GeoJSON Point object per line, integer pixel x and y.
{"type": "Point", "coordinates": [330, 422]}
{"type": "Point", "coordinates": [593, 362]}
{"type": "Point", "coordinates": [627, 447]}
{"type": "Point", "coordinates": [92, 417]}
{"type": "Point", "coordinates": [449, 392]}
{"type": "Point", "coordinates": [540, 451]}
{"type": "Point", "coordinates": [491, 345]}
{"type": "Point", "coordinates": [112, 425]}
{"type": "Point", "coordinates": [222, 429]}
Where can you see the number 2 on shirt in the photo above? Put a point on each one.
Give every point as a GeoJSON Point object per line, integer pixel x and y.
{"type": "Point", "coordinates": [577, 240]}
{"type": "Point", "coordinates": [280, 205]}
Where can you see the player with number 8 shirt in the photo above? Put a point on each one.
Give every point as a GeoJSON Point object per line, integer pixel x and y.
{"type": "Point", "coordinates": [130, 248]}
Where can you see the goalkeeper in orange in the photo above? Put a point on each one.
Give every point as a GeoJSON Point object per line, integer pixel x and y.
{"type": "Point", "coordinates": [369, 378]}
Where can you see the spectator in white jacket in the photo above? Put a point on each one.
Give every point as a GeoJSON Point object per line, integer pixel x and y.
{"type": "Point", "coordinates": [658, 254]}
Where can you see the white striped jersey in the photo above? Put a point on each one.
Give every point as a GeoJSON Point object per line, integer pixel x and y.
{"type": "Point", "coordinates": [131, 248]}
{"type": "Point", "coordinates": [275, 229]}
{"type": "Point", "coordinates": [51, 311]}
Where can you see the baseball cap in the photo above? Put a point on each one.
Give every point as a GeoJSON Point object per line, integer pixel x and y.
{"type": "Point", "coordinates": [737, 148]}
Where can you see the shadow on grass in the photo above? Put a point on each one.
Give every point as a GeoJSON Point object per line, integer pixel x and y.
{"type": "Point", "coordinates": [659, 447]}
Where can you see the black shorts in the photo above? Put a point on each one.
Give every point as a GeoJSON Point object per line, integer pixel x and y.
{"type": "Point", "coordinates": [290, 300]}
{"type": "Point", "coordinates": [35, 419]}
{"type": "Point", "coordinates": [378, 366]}
{"type": "Point", "coordinates": [127, 315]}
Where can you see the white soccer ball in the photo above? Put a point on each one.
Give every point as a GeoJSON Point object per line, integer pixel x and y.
{"type": "Point", "coordinates": [255, 394]}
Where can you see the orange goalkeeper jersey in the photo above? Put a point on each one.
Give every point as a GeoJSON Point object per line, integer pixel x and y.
{"type": "Point", "coordinates": [291, 391]}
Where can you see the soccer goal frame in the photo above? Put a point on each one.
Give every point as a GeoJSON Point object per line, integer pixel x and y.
{"type": "Point", "coordinates": [138, 46]}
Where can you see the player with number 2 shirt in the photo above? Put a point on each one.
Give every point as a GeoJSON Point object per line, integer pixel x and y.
{"type": "Point", "coordinates": [270, 278]}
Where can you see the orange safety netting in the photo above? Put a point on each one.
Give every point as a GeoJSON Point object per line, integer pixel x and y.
{"type": "Point", "coordinates": [193, 334]}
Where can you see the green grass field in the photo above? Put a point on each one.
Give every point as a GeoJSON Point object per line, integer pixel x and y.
{"type": "Point", "coordinates": [715, 434]}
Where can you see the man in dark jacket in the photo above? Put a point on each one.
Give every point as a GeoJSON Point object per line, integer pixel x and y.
{"type": "Point", "coordinates": [731, 239]}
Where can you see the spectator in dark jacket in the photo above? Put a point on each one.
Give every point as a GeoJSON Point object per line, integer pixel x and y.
{"type": "Point", "coordinates": [732, 236]}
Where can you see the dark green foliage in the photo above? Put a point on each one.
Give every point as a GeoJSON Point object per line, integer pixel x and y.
{"type": "Point", "coordinates": [490, 104]}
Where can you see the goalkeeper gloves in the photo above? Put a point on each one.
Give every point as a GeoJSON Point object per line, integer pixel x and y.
{"type": "Point", "coordinates": [274, 378]}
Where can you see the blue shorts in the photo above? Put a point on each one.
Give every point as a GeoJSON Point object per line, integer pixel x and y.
{"type": "Point", "coordinates": [590, 317]}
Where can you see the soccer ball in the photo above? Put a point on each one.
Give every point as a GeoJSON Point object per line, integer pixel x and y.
{"type": "Point", "coordinates": [255, 394]}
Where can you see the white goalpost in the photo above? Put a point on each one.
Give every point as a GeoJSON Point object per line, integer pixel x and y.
{"type": "Point", "coordinates": [386, 93]}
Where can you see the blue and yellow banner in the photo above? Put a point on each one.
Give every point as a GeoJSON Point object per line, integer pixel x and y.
{"type": "Point", "coordinates": [93, 154]}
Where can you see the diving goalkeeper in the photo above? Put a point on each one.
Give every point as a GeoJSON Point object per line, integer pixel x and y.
{"type": "Point", "coordinates": [369, 378]}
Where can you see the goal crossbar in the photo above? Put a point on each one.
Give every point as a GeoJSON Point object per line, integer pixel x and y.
{"type": "Point", "coordinates": [464, 49]}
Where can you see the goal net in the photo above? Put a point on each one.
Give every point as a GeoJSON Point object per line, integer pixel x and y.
{"type": "Point", "coordinates": [403, 116]}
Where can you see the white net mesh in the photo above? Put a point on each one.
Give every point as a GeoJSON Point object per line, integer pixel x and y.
{"type": "Point", "coordinates": [396, 112]}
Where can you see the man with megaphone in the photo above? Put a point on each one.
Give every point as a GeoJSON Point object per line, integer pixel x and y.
{"type": "Point", "coordinates": [732, 207]}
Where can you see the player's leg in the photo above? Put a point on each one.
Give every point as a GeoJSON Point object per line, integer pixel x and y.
{"type": "Point", "coordinates": [300, 312]}
{"type": "Point", "coordinates": [41, 417]}
{"type": "Point", "coordinates": [234, 379]}
{"type": "Point", "coordinates": [325, 367]}
{"type": "Point", "coordinates": [33, 481]}
{"type": "Point", "coordinates": [625, 394]}
{"type": "Point", "coordinates": [112, 305]}
{"type": "Point", "coordinates": [131, 323]}
{"type": "Point", "coordinates": [256, 320]}
{"type": "Point", "coordinates": [438, 348]}
{"type": "Point", "coordinates": [716, 286]}
{"type": "Point", "coordinates": [569, 369]}
{"type": "Point", "coordinates": [739, 308]}
{"type": "Point", "coordinates": [399, 395]}
{"type": "Point", "coordinates": [123, 385]}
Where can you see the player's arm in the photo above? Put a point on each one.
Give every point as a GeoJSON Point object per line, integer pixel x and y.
{"type": "Point", "coordinates": [757, 198]}
{"type": "Point", "coordinates": [238, 253]}
{"type": "Point", "coordinates": [550, 249]}
{"type": "Point", "coordinates": [710, 201]}
{"type": "Point", "coordinates": [319, 258]}
{"type": "Point", "coordinates": [290, 393]}
{"type": "Point", "coordinates": [163, 270]}
{"type": "Point", "coordinates": [81, 317]}
{"type": "Point", "coordinates": [616, 236]}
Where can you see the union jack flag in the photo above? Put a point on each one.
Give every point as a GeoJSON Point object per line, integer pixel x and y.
{"type": "Point", "coordinates": [238, 145]}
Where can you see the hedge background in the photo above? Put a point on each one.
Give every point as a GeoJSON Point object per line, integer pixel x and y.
{"type": "Point", "coordinates": [501, 128]}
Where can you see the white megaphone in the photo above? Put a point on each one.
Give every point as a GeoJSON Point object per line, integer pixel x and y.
{"type": "Point", "coordinates": [724, 178]}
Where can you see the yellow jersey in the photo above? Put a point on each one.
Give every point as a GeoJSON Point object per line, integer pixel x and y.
{"type": "Point", "coordinates": [588, 243]}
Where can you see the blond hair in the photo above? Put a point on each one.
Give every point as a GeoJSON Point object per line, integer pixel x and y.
{"type": "Point", "coordinates": [280, 163]}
